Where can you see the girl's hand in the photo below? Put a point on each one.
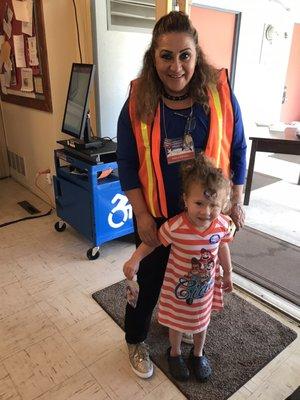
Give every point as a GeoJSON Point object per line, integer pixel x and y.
{"type": "Point", "coordinates": [227, 284]}
{"type": "Point", "coordinates": [130, 268]}
{"type": "Point", "coordinates": [147, 230]}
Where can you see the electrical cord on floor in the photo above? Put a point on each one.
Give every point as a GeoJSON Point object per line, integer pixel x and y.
{"type": "Point", "coordinates": [25, 218]}
{"type": "Point", "coordinates": [38, 175]}
{"type": "Point", "coordinates": [35, 216]}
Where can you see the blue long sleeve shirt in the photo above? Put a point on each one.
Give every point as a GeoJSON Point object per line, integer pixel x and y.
{"type": "Point", "coordinates": [172, 126]}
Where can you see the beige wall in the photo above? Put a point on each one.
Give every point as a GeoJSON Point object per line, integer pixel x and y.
{"type": "Point", "coordinates": [4, 168]}
{"type": "Point", "coordinates": [30, 133]}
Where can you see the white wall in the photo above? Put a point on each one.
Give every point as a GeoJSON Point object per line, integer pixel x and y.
{"type": "Point", "coordinates": [119, 56]}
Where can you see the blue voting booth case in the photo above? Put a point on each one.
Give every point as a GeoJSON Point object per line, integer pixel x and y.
{"type": "Point", "coordinates": [92, 204]}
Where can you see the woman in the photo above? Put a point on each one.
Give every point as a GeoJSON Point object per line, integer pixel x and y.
{"type": "Point", "coordinates": [178, 98]}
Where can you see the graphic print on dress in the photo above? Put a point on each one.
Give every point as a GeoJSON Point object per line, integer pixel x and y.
{"type": "Point", "coordinates": [198, 281]}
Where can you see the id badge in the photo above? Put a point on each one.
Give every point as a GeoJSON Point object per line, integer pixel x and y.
{"type": "Point", "coordinates": [179, 149]}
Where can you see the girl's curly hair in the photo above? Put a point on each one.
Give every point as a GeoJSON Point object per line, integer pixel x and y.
{"type": "Point", "coordinates": [150, 87]}
{"type": "Point", "coordinates": [202, 170]}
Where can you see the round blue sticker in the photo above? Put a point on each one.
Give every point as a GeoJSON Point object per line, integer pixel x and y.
{"type": "Point", "coordinates": [214, 239]}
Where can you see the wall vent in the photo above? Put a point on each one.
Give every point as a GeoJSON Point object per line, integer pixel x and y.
{"type": "Point", "coordinates": [16, 162]}
{"type": "Point", "coordinates": [131, 14]}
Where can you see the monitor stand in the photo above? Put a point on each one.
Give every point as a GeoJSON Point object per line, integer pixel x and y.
{"type": "Point", "coordinates": [89, 140]}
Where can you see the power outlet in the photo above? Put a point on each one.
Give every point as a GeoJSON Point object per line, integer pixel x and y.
{"type": "Point", "coordinates": [49, 179]}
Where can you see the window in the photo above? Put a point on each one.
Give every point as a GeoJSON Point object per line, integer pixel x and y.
{"type": "Point", "coordinates": [128, 14]}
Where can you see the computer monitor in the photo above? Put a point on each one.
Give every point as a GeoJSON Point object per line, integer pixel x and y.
{"type": "Point", "coordinates": [76, 121]}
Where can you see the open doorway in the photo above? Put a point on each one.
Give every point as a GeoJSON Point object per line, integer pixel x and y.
{"type": "Point", "coordinates": [218, 32]}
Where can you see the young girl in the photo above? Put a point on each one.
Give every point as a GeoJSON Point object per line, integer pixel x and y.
{"type": "Point", "coordinates": [193, 285]}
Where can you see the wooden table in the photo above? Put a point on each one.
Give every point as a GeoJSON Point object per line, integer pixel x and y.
{"type": "Point", "coordinates": [286, 142]}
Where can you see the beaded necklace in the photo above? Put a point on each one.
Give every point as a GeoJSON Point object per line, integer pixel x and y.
{"type": "Point", "coordinates": [176, 98]}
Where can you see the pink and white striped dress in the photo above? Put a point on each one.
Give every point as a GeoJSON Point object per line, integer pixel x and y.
{"type": "Point", "coordinates": [192, 282]}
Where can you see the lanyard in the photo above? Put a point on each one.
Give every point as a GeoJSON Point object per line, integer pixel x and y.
{"type": "Point", "coordinates": [190, 121]}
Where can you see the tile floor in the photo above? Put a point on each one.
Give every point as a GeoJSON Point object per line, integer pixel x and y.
{"type": "Point", "coordinates": [56, 343]}
{"type": "Point", "coordinates": [274, 209]}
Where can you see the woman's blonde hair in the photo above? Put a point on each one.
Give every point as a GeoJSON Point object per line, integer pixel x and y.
{"type": "Point", "coordinates": [150, 87]}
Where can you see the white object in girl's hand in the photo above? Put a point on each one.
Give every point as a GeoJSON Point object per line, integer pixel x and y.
{"type": "Point", "coordinates": [132, 292]}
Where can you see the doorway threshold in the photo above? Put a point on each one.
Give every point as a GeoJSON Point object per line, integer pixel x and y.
{"type": "Point", "coordinates": [266, 296]}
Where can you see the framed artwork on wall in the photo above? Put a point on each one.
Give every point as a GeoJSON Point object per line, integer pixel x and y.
{"type": "Point", "coordinates": [24, 74]}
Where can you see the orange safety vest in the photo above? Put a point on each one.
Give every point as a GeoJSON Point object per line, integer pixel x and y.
{"type": "Point", "coordinates": [148, 138]}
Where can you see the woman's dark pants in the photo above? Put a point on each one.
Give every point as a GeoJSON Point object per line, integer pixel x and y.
{"type": "Point", "coordinates": [150, 278]}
